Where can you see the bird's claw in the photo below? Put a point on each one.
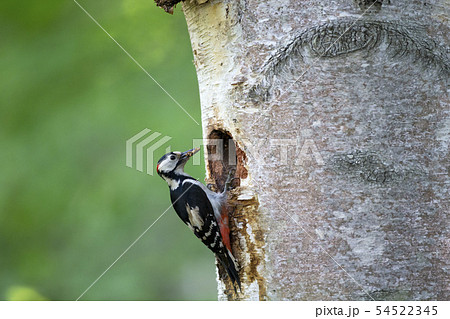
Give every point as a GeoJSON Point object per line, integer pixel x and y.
{"type": "Point", "coordinates": [230, 179]}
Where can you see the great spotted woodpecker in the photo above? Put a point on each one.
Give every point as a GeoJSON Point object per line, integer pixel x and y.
{"type": "Point", "coordinates": [201, 209]}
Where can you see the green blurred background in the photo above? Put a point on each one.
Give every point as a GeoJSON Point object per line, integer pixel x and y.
{"type": "Point", "coordinates": [69, 206]}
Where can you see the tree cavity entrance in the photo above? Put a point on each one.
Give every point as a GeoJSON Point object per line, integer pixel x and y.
{"type": "Point", "coordinates": [223, 156]}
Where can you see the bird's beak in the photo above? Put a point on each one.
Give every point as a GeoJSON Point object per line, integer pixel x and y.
{"type": "Point", "coordinates": [188, 154]}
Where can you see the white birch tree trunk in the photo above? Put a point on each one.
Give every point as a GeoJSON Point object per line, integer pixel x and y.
{"type": "Point", "coordinates": [342, 128]}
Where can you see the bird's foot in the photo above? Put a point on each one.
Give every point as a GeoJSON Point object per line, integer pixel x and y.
{"type": "Point", "coordinates": [230, 179]}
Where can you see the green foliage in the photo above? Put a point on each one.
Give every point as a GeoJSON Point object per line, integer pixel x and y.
{"type": "Point", "coordinates": [22, 293]}
{"type": "Point", "coordinates": [68, 204]}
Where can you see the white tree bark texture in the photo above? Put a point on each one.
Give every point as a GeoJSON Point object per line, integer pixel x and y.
{"type": "Point", "coordinates": [339, 112]}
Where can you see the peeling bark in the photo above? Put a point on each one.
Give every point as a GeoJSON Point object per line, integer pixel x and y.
{"type": "Point", "coordinates": [341, 127]}
{"type": "Point", "coordinates": [167, 5]}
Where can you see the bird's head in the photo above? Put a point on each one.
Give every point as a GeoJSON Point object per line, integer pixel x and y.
{"type": "Point", "coordinates": [174, 162]}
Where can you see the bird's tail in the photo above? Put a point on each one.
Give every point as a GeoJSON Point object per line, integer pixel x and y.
{"type": "Point", "coordinates": [229, 263]}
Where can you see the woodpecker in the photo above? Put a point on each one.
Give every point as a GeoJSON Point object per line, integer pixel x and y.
{"type": "Point", "coordinates": [201, 209]}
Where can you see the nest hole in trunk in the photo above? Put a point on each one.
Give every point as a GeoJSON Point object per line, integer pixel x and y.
{"type": "Point", "coordinates": [224, 155]}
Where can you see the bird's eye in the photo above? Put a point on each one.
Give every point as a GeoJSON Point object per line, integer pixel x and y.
{"type": "Point", "coordinates": [172, 157]}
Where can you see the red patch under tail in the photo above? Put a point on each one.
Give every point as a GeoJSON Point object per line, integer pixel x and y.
{"type": "Point", "coordinates": [225, 228]}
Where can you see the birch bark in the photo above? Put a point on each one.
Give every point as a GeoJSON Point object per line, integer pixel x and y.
{"type": "Point", "coordinates": [339, 112]}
